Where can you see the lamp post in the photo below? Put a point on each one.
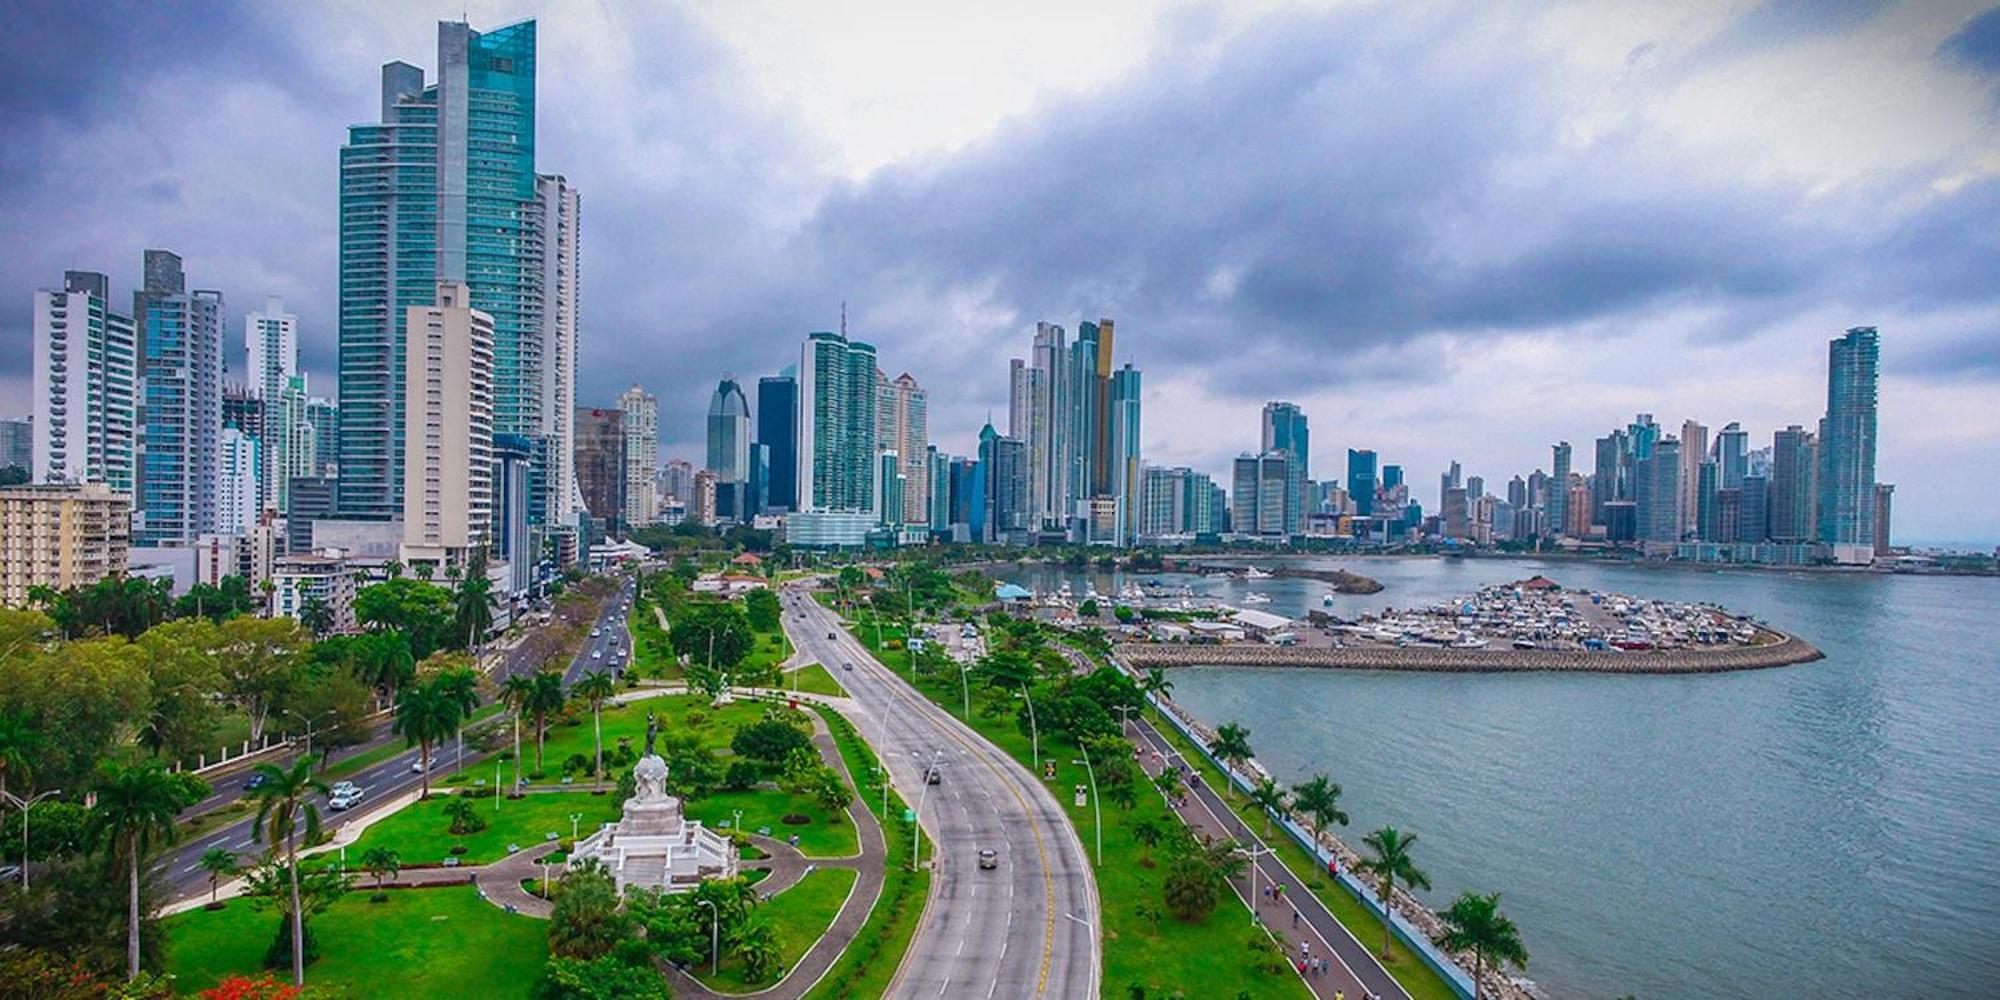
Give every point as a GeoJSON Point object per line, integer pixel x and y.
{"type": "Point", "coordinates": [1096, 804]}
{"type": "Point", "coordinates": [24, 805]}
{"type": "Point", "coordinates": [309, 724]}
{"type": "Point", "coordinates": [574, 819]}
{"type": "Point", "coordinates": [965, 688]}
{"type": "Point", "coordinates": [496, 785]}
{"type": "Point", "coordinates": [1253, 853]}
{"type": "Point", "coordinates": [916, 827]}
{"type": "Point", "coordinates": [1034, 729]}
{"type": "Point", "coordinates": [714, 934]}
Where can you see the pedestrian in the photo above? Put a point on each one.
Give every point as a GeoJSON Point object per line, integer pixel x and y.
{"type": "Point", "coordinates": [1295, 919]}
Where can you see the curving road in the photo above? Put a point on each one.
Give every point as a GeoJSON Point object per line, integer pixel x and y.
{"type": "Point", "coordinates": [1029, 927]}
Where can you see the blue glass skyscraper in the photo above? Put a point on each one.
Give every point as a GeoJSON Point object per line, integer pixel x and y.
{"type": "Point", "coordinates": [1847, 446]}
{"type": "Point", "coordinates": [1361, 481]}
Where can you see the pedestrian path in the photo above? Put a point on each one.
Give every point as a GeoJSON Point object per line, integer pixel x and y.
{"type": "Point", "coordinates": [500, 882]}
{"type": "Point", "coordinates": [1336, 963]}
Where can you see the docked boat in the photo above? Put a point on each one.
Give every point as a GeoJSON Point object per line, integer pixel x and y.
{"type": "Point", "coordinates": [1253, 573]}
{"type": "Point", "coordinates": [1326, 600]}
{"type": "Point", "coordinates": [1255, 598]}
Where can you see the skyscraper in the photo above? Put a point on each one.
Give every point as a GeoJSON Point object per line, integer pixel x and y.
{"type": "Point", "coordinates": [1694, 449]}
{"type": "Point", "coordinates": [180, 406]}
{"type": "Point", "coordinates": [271, 337]}
{"type": "Point", "coordinates": [836, 440]}
{"type": "Point", "coordinates": [1794, 468]}
{"type": "Point", "coordinates": [1847, 447]}
{"type": "Point", "coordinates": [1361, 480]}
{"type": "Point", "coordinates": [729, 447]}
{"type": "Point", "coordinates": [1257, 494]}
{"type": "Point", "coordinates": [1607, 476]}
{"type": "Point", "coordinates": [17, 445]}
{"type": "Point", "coordinates": [237, 481]}
{"type": "Point", "coordinates": [1004, 479]}
{"type": "Point", "coordinates": [642, 454]}
{"type": "Point", "coordinates": [1284, 429]}
{"type": "Point", "coordinates": [448, 430]}
{"type": "Point", "coordinates": [1732, 456]}
{"type": "Point", "coordinates": [600, 466]}
{"type": "Point", "coordinates": [902, 424]}
{"type": "Point", "coordinates": [559, 210]}
{"type": "Point", "coordinates": [443, 189]}
{"type": "Point", "coordinates": [86, 379]}
{"type": "Point", "coordinates": [1556, 502]}
{"type": "Point", "coordinates": [1125, 458]}
{"type": "Point", "coordinates": [1050, 431]}
{"type": "Point", "coordinates": [1659, 492]}
{"type": "Point", "coordinates": [778, 430]}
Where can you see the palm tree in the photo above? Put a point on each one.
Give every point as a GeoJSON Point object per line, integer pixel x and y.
{"type": "Point", "coordinates": [425, 715]}
{"type": "Point", "coordinates": [1148, 834]}
{"type": "Point", "coordinates": [1231, 746]}
{"type": "Point", "coordinates": [1390, 865]}
{"type": "Point", "coordinates": [1475, 924]}
{"type": "Point", "coordinates": [425, 571]}
{"type": "Point", "coordinates": [515, 693]}
{"type": "Point", "coordinates": [394, 568]}
{"type": "Point", "coordinates": [473, 611]}
{"type": "Point", "coordinates": [544, 700]}
{"type": "Point", "coordinates": [383, 863]}
{"type": "Point", "coordinates": [1319, 801]}
{"type": "Point", "coordinates": [219, 863]}
{"type": "Point", "coordinates": [462, 687]}
{"type": "Point", "coordinates": [136, 807]}
{"type": "Point", "coordinates": [1272, 799]}
{"type": "Point", "coordinates": [284, 798]}
{"type": "Point", "coordinates": [317, 616]}
{"type": "Point", "coordinates": [19, 743]}
{"type": "Point", "coordinates": [1157, 684]}
{"type": "Point", "coordinates": [597, 687]}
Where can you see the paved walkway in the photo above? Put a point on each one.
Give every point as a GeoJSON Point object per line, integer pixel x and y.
{"type": "Point", "coordinates": [500, 882]}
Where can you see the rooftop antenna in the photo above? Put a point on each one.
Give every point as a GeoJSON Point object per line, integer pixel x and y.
{"type": "Point", "coordinates": [843, 318]}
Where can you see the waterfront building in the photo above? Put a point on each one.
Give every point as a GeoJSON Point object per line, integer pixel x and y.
{"type": "Point", "coordinates": [1361, 487]}
{"type": "Point", "coordinates": [304, 579]}
{"type": "Point", "coordinates": [1126, 461]}
{"type": "Point", "coordinates": [1705, 526]}
{"type": "Point", "coordinates": [1449, 480]}
{"type": "Point", "coordinates": [85, 408]}
{"type": "Point", "coordinates": [180, 404]}
{"type": "Point", "coordinates": [778, 431]}
{"type": "Point", "coordinates": [600, 467]}
{"type": "Point", "coordinates": [1753, 517]}
{"type": "Point", "coordinates": [729, 447]}
{"type": "Point", "coordinates": [837, 416]}
{"type": "Point", "coordinates": [1694, 450]}
{"type": "Point", "coordinates": [1732, 456]}
{"type": "Point", "coordinates": [17, 445]}
{"type": "Point", "coordinates": [1458, 512]}
{"type": "Point", "coordinates": [642, 454]}
{"type": "Point", "coordinates": [448, 430]}
{"type": "Point", "coordinates": [1794, 475]}
{"type": "Point", "coordinates": [1284, 429]}
{"type": "Point", "coordinates": [1658, 487]}
{"type": "Point", "coordinates": [968, 500]}
{"type": "Point", "coordinates": [61, 535]}
{"type": "Point", "coordinates": [1517, 491]}
{"type": "Point", "coordinates": [1884, 495]}
{"type": "Point", "coordinates": [1576, 512]}
{"type": "Point", "coordinates": [1163, 501]}
{"type": "Point", "coordinates": [1556, 501]}
{"type": "Point", "coordinates": [1847, 447]}
{"type": "Point", "coordinates": [1607, 478]}
{"type": "Point", "coordinates": [1257, 495]}
{"type": "Point", "coordinates": [902, 426]}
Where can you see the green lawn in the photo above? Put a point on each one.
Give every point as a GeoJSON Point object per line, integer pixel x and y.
{"type": "Point", "coordinates": [419, 835]}
{"type": "Point", "coordinates": [865, 968]}
{"type": "Point", "coordinates": [422, 943]}
{"type": "Point", "coordinates": [651, 656]}
{"type": "Point", "coordinates": [813, 679]}
{"type": "Point", "coordinates": [674, 711]}
{"type": "Point", "coordinates": [799, 915]}
{"type": "Point", "coordinates": [772, 648]}
{"type": "Point", "coordinates": [764, 807]}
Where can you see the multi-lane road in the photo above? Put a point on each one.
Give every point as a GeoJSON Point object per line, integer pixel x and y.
{"type": "Point", "coordinates": [608, 649]}
{"type": "Point", "coordinates": [1026, 928]}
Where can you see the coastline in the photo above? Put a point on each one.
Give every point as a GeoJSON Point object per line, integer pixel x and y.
{"type": "Point", "coordinates": [1789, 650]}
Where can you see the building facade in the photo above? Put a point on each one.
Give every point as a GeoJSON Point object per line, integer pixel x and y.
{"type": "Point", "coordinates": [902, 425]}
{"type": "Point", "coordinates": [837, 417]}
{"type": "Point", "coordinates": [600, 465]}
{"type": "Point", "coordinates": [180, 404]}
{"type": "Point", "coordinates": [60, 536]}
{"type": "Point", "coordinates": [86, 386]}
{"type": "Point", "coordinates": [729, 447]}
{"type": "Point", "coordinates": [778, 432]}
{"type": "Point", "coordinates": [642, 455]}
{"type": "Point", "coordinates": [1847, 446]}
{"type": "Point", "coordinates": [448, 430]}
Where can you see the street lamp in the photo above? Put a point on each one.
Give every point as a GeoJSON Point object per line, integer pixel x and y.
{"type": "Point", "coordinates": [714, 934]}
{"type": "Point", "coordinates": [574, 819]}
{"type": "Point", "coordinates": [916, 828]}
{"type": "Point", "coordinates": [310, 723]}
{"type": "Point", "coordinates": [24, 805]}
{"type": "Point", "coordinates": [1034, 730]}
{"type": "Point", "coordinates": [1253, 853]}
{"type": "Point", "coordinates": [1097, 804]}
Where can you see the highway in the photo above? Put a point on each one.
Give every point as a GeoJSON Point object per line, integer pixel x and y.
{"type": "Point", "coordinates": [182, 877]}
{"type": "Point", "coordinates": [1028, 928]}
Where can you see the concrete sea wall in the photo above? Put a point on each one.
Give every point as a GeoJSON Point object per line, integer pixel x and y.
{"type": "Point", "coordinates": [1788, 650]}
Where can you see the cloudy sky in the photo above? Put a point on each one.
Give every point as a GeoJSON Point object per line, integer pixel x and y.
{"type": "Point", "coordinates": [1449, 231]}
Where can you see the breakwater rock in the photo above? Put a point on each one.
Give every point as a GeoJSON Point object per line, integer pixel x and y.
{"type": "Point", "coordinates": [1785, 651]}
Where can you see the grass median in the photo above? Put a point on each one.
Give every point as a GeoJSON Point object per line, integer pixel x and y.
{"type": "Point", "coordinates": [798, 916]}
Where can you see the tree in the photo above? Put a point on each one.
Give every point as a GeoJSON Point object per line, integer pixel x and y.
{"type": "Point", "coordinates": [1147, 834]}
{"type": "Point", "coordinates": [260, 659]}
{"type": "Point", "coordinates": [597, 687]}
{"type": "Point", "coordinates": [1272, 800]}
{"type": "Point", "coordinates": [339, 702]}
{"type": "Point", "coordinates": [135, 809]}
{"type": "Point", "coordinates": [586, 921]}
{"type": "Point", "coordinates": [1157, 684]}
{"type": "Point", "coordinates": [712, 632]}
{"type": "Point", "coordinates": [829, 791]}
{"type": "Point", "coordinates": [1391, 864]}
{"type": "Point", "coordinates": [515, 692]}
{"type": "Point", "coordinates": [472, 606]}
{"type": "Point", "coordinates": [219, 863]}
{"type": "Point", "coordinates": [754, 942]}
{"type": "Point", "coordinates": [82, 697]}
{"type": "Point", "coordinates": [763, 609]}
{"type": "Point", "coordinates": [383, 863]}
{"type": "Point", "coordinates": [316, 615]}
{"type": "Point", "coordinates": [1231, 745]}
{"type": "Point", "coordinates": [1189, 888]}
{"type": "Point", "coordinates": [425, 715]}
{"type": "Point", "coordinates": [19, 743]}
{"type": "Point", "coordinates": [544, 699]}
{"type": "Point", "coordinates": [769, 742]}
{"type": "Point", "coordinates": [1089, 609]}
{"type": "Point", "coordinates": [298, 893]}
{"type": "Point", "coordinates": [284, 811]}
{"type": "Point", "coordinates": [606, 978]}
{"type": "Point", "coordinates": [1319, 801]}
{"type": "Point", "coordinates": [421, 611]}
{"type": "Point", "coordinates": [464, 816]}
{"type": "Point", "coordinates": [460, 684]}
{"type": "Point", "coordinates": [1475, 924]}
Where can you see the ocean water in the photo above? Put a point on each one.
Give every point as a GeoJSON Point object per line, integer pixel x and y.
{"type": "Point", "coordinates": [1825, 830]}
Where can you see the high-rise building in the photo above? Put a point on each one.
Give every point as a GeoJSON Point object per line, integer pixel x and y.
{"type": "Point", "coordinates": [837, 411]}
{"type": "Point", "coordinates": [1257, 494]}
{"type": "Point", "coordinates": [1361, 486]}
{"type": "Point", "coordinates": [17, 445]}
{"type": "Point", "coordinates": [1884, 496]}
{"type": "Point", "coordinates": [1794, 473]}
{"type": "Point", "coordinates": [1556, 502]}
{"type": "Point", "coordinates": [1458, 513]}
{"type": "Point", "coordinates": [443, 189]}
{"type": "Point", "coordinates": [778, 430]}
{"type": "Point", "coordinates": [237, 483]}
{"type": "Point", "coordinates": [86, 387]}
{"type": "Point", "coordinates": [1754, 510]}
{"type": "Point", "coordinates": [1284, 429]}
{"type": "Point", "coordinates": [552, 465]}
{"type": "Point", "coordinates": [448, 430]}
{"type": "Point", "coordinates": [1003, 465]}
{"type": "Point", "coordinates": [271, 338]}
{"type": "Point", "coordinates": [1576, 515]}
{"type": "Point", "coordinates": [1694, 449]}
{"type": "Point", "coordinates": [600, 466]}
{"type": "Point", "coordinates": [1163, 498]}
{"type": "Point", "coordinates": [729, 447]}
{"type": "Point", "coordinates": [642, 455]}
{"type": "Point", "coordinates": [61, 535]}
{"type": "Point", "coordinates": [290, 442]}
{"type": "Point", "coordinates": [1732, 456]}
{"type": "Point", "coordinates": [701, 498]}
{"type": "Point", "coordinates": [889, 485]}
{"type": "Point", "coordinates": [902, 425]}
{"type": "Point", "coordinates": [307, 499]}
{"type": "Point", "coordinates": [1847, 447]}
{"type": "Point", "coordinates": [514, 535]}
{"type": "Point", "coordinates": [677, 479]}
{"type": "Point", "coordinates": [324, 416]}
{"type": "Point", "coordinates": [940, 479]}
{"type": "Point", "coordinates": [1608, 480]}
{"type": "Point", "coordinates": [1450, 479]}
{"type": "Point", "coordinates": [1050, 429]}
{"type": "Point", "coordinates": [1659, 491]}
{"type": "Point", "coordinates": [1126, 461]}
{"type": "Point", "coordinates": [1392, 477]}
{"type": "Point", "coordinates": [180, 405]}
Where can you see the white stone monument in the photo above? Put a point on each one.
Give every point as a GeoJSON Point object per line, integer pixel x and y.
{"type": "Point", "coordinates": [652, 845]}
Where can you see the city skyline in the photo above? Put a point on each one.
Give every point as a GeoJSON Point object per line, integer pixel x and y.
{"type": "Point", "coordinates": [1585, 354]}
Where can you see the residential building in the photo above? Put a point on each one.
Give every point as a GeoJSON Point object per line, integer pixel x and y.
{"type": "Point", "coordinates": [1555, 502]}
{"type": "Point", "coordinates": [1694, 450]}
{"type": "Point", "coordinates": [1163, 502]}
{"type": "Point", "coordinates": [701, 498]}
{"type": "Point", "coordinates": [515, 536]}
{"type": "Point", "coordinates": [85, 423]}
{"type": "Point", "coordinates": [1284, 429]}
{"type": "Point", "coordinates": [307, 499]}
{"type": "Point", "coordinates": [1732, 456]}
{"type": "Point", "coordinates": [778, 432]}
{"type": "Point", "coordinates": [1458, 513]}
{"type": "Point", "coordinates": [837, 418]}
{"type": "Point", "coordinates": [1608, 480]}
{"type": "Point", "coordinates": [17, 445]}
{"type": "Point", "coordinates": [560, 211]}
{"type": "Point", "coordinates": [902, 426]}
{"type": "Point", "coordinates": [1847, 447]}
{"type": "Point", "coordinates": [289, 445]}
{"type": "Point", "coordinates": [677, 478]}
{"type": "Point", "coordinates": [60, 535]}
{"type": "Point", "coordinates": [1659, 493]}
{"type": "Point", "coordinates": [600, 467]}
{"type": "Point", "coordinates": [448, 430]}
{"type": "Point", "coordinates": [1257, 495]}
{"type": "Point", "coordinates": [238, 482]}
{"type": "Point", "coordinates": [303, 580]}
{"type": "Point", "coordinates": [180, 404]}
{"type": "Point", "coordinates": [1884, 496]}
{"type": "Point", "coordinates": [1126, 461]}
{"type": "Point", "coordinates": [1049, 428]}
{"type": "Point", "coordinates": [642, 455]}
{"type": "Point", "coordinates": [271, 338]}
{"type": "Point", "coordinates": [1004, 477]}
{"type": "Point", "coordinates": [1753, 519]}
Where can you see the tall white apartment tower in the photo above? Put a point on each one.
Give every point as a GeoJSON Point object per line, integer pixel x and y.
{"type": "Point", "coordinates": [902, 426]}
{"type": "Point", "coordinates": [1050, 445]}
{"type": "Point", "coordinates": [86, 378]}
{"type": "Point", "coordinates": [642, 455]}
{"type": "Point", "coordinates": [448, 429]}
{"type": "Point", "coordinates": [561, 216]}
{"type": "Point", "coordinates": [272, 338]}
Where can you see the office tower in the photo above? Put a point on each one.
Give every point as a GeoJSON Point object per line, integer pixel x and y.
{"type": "Point", "coordinates": [1051, 445]}
{"type": "Point", "coordinates": [1517, 492]}
{"type": "Point", "coordinates": [1754, 511]}
{"type": "Point", "coordinates": [901, 425]}
{"type": "Point", "coordinates": [1361, 486]}
{"type": "Point", "coordinates": [889, 488]}
{"type": "Point", "coordinates": [307, 499]}
{"type": "Point", "coordinates": [1659, 492]}
{"type": "Point", "coordinates": [1794, 468]}
{"type": "Point", "coordinates": [1705, 524]}
{"type": "Point", "coordinates": [1458, 513]}
{"type": "Point", "coordinates": [514, 537]}
{"type": "Point", "coordinates": [642, 454]}
{"type": "Point", "coordinates": [271, 337]}
{"type": "Point", "coordinates": [238, 482]}
{"type": "Point", "coordinates": [448, 429]}
{"type": "Point", "coordinates": [61, 535]}
{"type": "Point", "coordinates": [1727, 517]}
{"type": "Point", "coordinates": [1392, 477]}
{"type": "Point", "coordinates": [180, 404]}
{"type": "Point", "coordinates": [677, 479]}
{"type": "Point", "coordinates": [1576, 513]}
{"type": "Point", "coordinates": [1284, 429]}
{"type": "Point", "coordinates": [729, 446]}
{"type": "Point", "coordinates": [837, 411]}
{"type": "Point", "coordinates": [1555, 501]}
{"type": "Point", "coordinates": [778, 430]}
{"type": "Point", "coordinates": [1125, 458]}
{"type": "Point", "coordinates": [938, 518]}
{"type": "Point", "coordinates": [1205, 506]}
{"type": "Point", "coordinates": [1884, 495]}
{"type": "Point", "coordinates": [968, 500]}
{"type": "Point", "coordinates": [1607, 477]}
{"type": "Point", "coordinates": [1257, 494]}
{"type": "Point", "coordinates": [86, 378]}
{"type": "Point", "coordinates": [443, 189]}
{"type": "Point", "coordinates": [324, 416]}
{"type": "Point", "coordinates": [1102, 413]}
{"type": "Point", "coordinates": [1847, 446]}
{"type": "Point", "coordinates": [1694, 449]}
{"type": "Point", "coordinates": [1732, 456]}
{"type": "Point", "coordinates": [559, 210]}
{"type": "Point", "coordinates": [1003, 474]}
{"type": "Point", "coordinates": [600, 466]}
{"type": "Point", "coordinates": [289, 442]}
{"type": "Point", "coordinates": [17, 445]}
{"type": "Point", "coordinates": [1447, 481]}
{"type": "Point", "coordinates": [1163, 496]}
{"type": "Point", "coordinates": [1475, 486]}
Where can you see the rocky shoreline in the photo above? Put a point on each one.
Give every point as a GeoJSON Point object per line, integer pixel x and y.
{"type": "Point", "coordinates": [1343, 581]}
{"type": "Point", "coordinates": [1788, 650]}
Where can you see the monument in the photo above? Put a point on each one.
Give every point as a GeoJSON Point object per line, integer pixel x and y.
{"type": "Point", "coordinates": [653, 845]}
